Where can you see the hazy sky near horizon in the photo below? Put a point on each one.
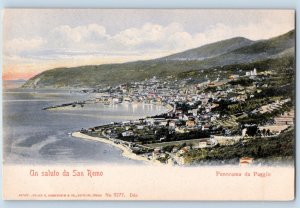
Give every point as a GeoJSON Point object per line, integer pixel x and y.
{"type": "Point", "coordinates": [35, 40]}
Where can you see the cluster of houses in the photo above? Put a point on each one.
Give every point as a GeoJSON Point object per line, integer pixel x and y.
{"type": "Point", "coordinates": [192, 107]}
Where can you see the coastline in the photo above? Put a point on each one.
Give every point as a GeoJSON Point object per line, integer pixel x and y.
{"type": "Point", "coordinates": [77, 106]}
{"type": "Point", "coordinates": [125, 151]}
{"type": "Point", "coordinates": [169, 107]}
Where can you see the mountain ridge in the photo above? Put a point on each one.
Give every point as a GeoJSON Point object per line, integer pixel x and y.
{"type": "Point", "coordinates": [236, 50]}
{"type": "Point", "coordinates": [212, 49]}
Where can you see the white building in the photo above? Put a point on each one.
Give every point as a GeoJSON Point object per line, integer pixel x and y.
{"type": "Point", "coordinates": [127, 133]}
{"type": "Point", "coordinates": [254, 72]}
{"type": "Point", "coordinates": [244, 132]}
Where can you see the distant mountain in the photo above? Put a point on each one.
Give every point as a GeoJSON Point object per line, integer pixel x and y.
{"type": "Point", "coordinates": [15, 80]}
{"type": "Point", "coordinates": [211, 50]}
{"type": "Point", "coordinates": [257, 51]}
{"type": "Point", "coordinates": [235, 51]}
{"type": "Point", "coordinates": [9, 84]}
{"type": "Point", "coordinates": [270, 46]}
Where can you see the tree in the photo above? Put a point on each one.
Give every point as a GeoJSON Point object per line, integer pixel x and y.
{"type": "Point", "coordinates": [251, 130]}
{"type": "Point", "coordinates": [259, 151]}
{"type": "Point", "coordinates": [161, 132]}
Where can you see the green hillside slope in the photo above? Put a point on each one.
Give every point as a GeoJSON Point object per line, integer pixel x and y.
{"type": "Point", "coordinates": [235, 51]}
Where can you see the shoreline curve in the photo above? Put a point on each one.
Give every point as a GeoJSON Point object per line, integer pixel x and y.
{"type": "Point", "coordinates": [125, 151]}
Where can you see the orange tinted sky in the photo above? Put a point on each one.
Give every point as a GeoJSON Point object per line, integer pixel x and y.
{"type": "Point", "coordinates": [26, 71]}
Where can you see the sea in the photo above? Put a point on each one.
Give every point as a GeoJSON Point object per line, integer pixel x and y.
{"type": "Point", "coordinates": [32, 135]}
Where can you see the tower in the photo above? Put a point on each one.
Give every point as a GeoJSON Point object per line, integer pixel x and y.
{"type": "Point", "coordinates": [254, 72]}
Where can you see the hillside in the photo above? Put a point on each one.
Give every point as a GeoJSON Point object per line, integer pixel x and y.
{"type": "Point", "coordinates": [235, 51]}
{"type": "Point", "coordinates": [211, 50]}
{"type": "Point", "coordinates": [257, 51]}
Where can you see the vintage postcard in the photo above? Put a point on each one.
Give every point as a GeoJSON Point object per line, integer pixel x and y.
{"type": "Point", "coordinates": [148, 104]}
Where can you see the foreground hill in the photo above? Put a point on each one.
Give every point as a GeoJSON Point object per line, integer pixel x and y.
{"type": "Point", "coordinates": [231, 52]}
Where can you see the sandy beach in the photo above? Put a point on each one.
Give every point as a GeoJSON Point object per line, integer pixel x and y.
{"type": "Point", "coordinates": [125, 151]}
